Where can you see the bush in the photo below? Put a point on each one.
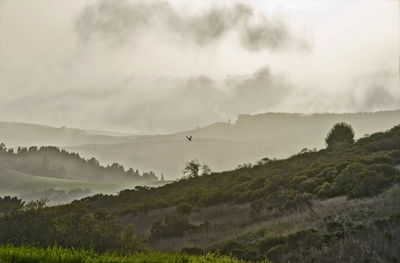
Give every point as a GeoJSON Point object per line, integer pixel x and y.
{"type": "Point", "coordinates": [229, 246]}
{"type": "Point", "coordinates": [274, 254]}
{"type": "Point", "coordinates": [369, 184]}
{"type": "Point", "coordinates": [306, 238]}
{"type": "Point", "coordinates": [324, 190]}
{"type": "Point", "coordinates": [270, 242]}
{"type": "Point", "coordinates": [171, 226]}
{"type": "Point", "coordinates": [296, 180]}
{"type": "Point", "coordinates": [184, 208]}
{"type": "Point", "coordinates": [334, 226]}
{"type": "Point", "coordinates": [308, 185]}
{"type": "Point", "coordinates": [347, 178]}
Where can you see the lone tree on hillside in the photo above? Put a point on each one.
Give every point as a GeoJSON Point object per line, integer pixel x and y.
{"type": "Point", "coordinates": [340, 135]}
{"type": "Point", "coordinates": [193, 168]}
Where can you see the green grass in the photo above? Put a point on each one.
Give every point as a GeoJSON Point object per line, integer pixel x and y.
{"type": "Point", "coordinates": [11, 254]}
{"type": "Point", "coordinates": [14, 182]}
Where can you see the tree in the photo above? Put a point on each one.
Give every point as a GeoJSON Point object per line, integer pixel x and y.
{"type": "Point", "coordinates": [340, 135]}
{"type": "Point", "coordinates": [3, 147]}
{"type": "Point", "coordinates": [205, 169]}
{"type": "Point", "coordinates": [192, 168]}
{"type": "Point", "coordinates": [37, 204]}
{"type": "Point", "coordinates": [10, 204]}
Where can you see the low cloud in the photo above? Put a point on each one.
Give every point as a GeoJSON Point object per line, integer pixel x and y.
{"type": "Point", "coordinates": [199, 101]}
{"type": "Point", "coordinates": [376, 91]}
{"type": "Point", "coordinates": [164, 105]}
{"type": "Point", "coordinates": [118, 21]}
{"type": "Point", "coordinates": [260, 91]}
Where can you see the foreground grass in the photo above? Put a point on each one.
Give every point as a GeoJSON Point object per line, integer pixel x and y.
{"type": "Point", "coordinates": [11, 254]}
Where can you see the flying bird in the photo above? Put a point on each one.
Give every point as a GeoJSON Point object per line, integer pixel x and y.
{"type": "Point", "coordinates": [189, 138]}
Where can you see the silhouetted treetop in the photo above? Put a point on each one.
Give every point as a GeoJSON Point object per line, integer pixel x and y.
{"type": "Point", "coordinates": [340, 135]}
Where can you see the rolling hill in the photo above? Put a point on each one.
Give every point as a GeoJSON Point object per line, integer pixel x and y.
{"type": "Point", "coordinates": [47, 171]}
{"type": "Point", "coordinates": [18, 183]}
{"type": "Point", "coordinates": [224, 146]}
{"type": "Point", "coordinates": [15, 134]}
{"type": "Point", "coordinates": [339, 203]}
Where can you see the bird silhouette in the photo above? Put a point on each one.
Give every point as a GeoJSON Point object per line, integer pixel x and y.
{"type": "Point", "coordinates": [189, 138]}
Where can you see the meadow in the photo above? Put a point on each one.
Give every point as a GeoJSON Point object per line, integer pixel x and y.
{"type": "Point", "coordinates": [55, 254]}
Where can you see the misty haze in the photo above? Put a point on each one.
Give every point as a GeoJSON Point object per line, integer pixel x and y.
{"type": "Point", "coordinates": [193, 131]}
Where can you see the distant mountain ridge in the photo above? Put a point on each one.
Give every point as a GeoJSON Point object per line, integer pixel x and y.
{"type": "Point", "coordinates": [26, 134]}
{"type": "Point", "coordinates": [222, 146]}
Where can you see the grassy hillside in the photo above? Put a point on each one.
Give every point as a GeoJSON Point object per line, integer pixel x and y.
{"type": "Point", "coordinates": [364, 169]}
{"type": "Point", "coordinates": [33, 173]}
{"type": "Point", "coordinates": [10, 254]}
{"type": "Point", "coordinates": [31, 187]}
{"type": "Point", "coordinates": [316, 206]}
{"type": "Point", "coordinates": [50, 161]}
{"type": "Point", "coordinates": [17, 182]}
{"type": "Point", "coordinates": [224, 146]}
{"type": "Point", "coordinates": [57, 190]}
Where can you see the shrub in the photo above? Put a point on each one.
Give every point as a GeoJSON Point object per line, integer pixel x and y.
{"type": "Point", "coordinates": [347, 178]}
{"type": "Point", "coordinates": [306, 238]}
{"type": "Point", "coordinates": [296, 180]}
{"type": "Point", "coordinates": [256, 183]}
{"type": "Point", "coordinates": [274, 254]}
{"type": "Point", "coordinates": [184, 208]}
{"type": "Point", "coordinates": [324, 190]}
{"type": "Point", "coordinates": [229, 246]}
{"type": "Point", "coordinates": [369, 184]}
{"type": "Point", "coordinates": [334, 226]}
{"type": "Point", "coordinates": [270, 242]}
{"type": "Point", "coordinates": [171, 226]}
{"type": "Point", "coordinates": [308, 185]}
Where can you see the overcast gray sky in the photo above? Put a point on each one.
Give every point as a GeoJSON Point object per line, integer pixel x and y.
{"type": "Point", "coordinates": [155, 66]}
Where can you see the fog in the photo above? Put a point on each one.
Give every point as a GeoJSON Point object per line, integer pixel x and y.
{"type": "Point", "coordinates": [159, 67]}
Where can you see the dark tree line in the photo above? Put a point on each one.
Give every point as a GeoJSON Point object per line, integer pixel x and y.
{"type": "Point", "coordinates": [50, 161]}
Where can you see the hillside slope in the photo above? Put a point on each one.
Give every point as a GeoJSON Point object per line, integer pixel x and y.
{"type": "Point", "coordinates": [224, 146]}
{"type": "Point", "coordinates": [16, 134]}
{"type": "Point", "coordinates": [315, 206]}
{"type": "Point", "coordinates": [35, 172]}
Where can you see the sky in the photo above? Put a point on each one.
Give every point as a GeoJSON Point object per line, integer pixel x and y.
{"type": "Point", "coordinates": [166, 66]}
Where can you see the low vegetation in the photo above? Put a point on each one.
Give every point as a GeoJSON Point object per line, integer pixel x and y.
{"type": "Point", "coordinates": [362, 169]}
{"type": "Point", "coordinates": [337, 240]}
{"type": "Point", "coordinates": [11, 254]}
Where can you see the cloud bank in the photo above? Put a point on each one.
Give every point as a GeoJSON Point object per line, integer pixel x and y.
{"type": "Point", "coordinates": [148, 67]}
{"type": "Point", "coordinates": [171, 104]}
{"type": "Point", "coordinates": [119, 21]}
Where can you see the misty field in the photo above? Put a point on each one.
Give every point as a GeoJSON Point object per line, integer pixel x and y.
{"type": "Point", "coordinates": [11, 254]}
{"type": "Point", "coordinates": [18, 182]}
